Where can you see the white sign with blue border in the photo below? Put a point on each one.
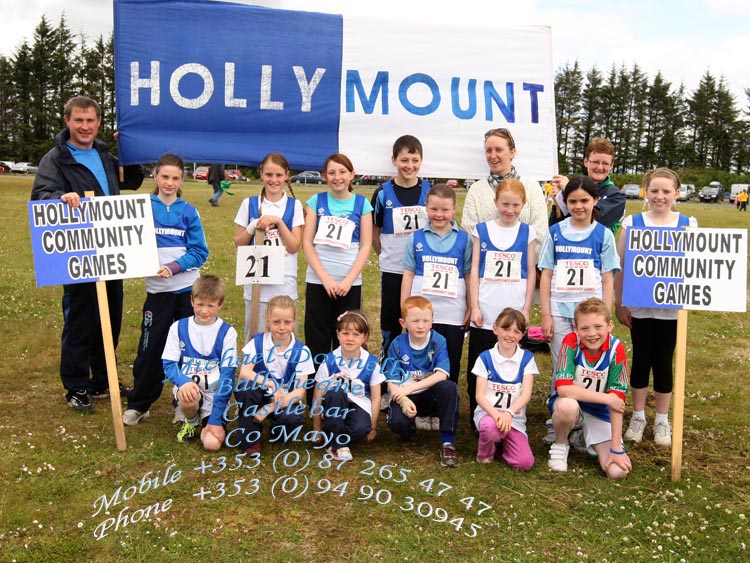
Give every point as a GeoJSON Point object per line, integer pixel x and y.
{"type": "Point", "coordinates": [105, 238]}
{"type": "Point", "coordinates": [694, 269]}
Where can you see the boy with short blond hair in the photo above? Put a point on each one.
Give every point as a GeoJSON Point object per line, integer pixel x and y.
{"type": "Point", "coordinates": [200, 359]}
{"type": "Point", "coordinates": [591, 385]}
{"type": "Point", "coordinates": [418, 381]}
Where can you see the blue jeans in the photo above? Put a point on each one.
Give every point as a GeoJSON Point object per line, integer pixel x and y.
{"type": "Point", "coordinates": [217, 192]}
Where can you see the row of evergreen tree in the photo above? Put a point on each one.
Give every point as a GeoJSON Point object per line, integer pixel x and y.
{"type": "Point", "coordinates": [40, 77]}
{"type": "Point", "coordinates": [650, 122]}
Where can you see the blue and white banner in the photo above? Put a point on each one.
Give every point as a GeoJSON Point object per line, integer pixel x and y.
{"type": "Point", "coordinates": [105, 238]}
{"type": "Point", "coordinates": [225, 82]}
{"type": "Point", "coordinates": [698, 269]}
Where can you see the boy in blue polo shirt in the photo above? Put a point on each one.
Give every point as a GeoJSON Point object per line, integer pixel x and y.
{"type": "Point", "coordinates": [420, 385]}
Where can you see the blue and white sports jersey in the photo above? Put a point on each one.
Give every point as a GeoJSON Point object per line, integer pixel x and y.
{"type": "Point", "coordinates": [180, 238]}
{"type": "Point", "coordinates": [409, 365]}
{"type": "Point", "coordinates": [439, 276]}
{"type": "Point", "coordinates": [339, 256]}
{"type": "Point", "coordinates": [504, 381]}
{"type": "Point", "coordinates": [356, 376]}
{"type": "Point", "coordinates": [503, 268]}
{"type": "Point", "coordinates": [399, 221]}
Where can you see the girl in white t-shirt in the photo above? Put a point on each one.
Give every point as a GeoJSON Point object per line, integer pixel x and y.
{"type": "Point", "coordinates": [346, 402]}
{"type": "Point", "coordinates": [281, 219]}
{"type": "Point", "coordinates": [273, 376]}
{"type": "Point", "coordinates": [505, 378]}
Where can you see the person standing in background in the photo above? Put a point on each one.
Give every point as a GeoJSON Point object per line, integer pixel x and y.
{"type": "Point", "coordinates": [215, 177]}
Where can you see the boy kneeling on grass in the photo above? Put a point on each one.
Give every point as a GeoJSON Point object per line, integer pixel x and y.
{"type": "Point", "coordinates": [591, 384]}
{"type": "Point", "coordinates": [420, 385]}
{"type": "Point", "coordinates": [200, 359]}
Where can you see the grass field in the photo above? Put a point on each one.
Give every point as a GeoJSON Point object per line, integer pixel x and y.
{"type": "Point", "coordinates": [59, 469]}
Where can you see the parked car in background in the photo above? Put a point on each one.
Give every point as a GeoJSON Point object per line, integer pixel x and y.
{"type": "Point", "coordinates": [6, 165]}
{"type": "Point", "coordinates": [631, 191]}
{"type": "Point", "coordinates": [201, 173]}
{"type": "Point", "coordinates": [452, 183]}
{"type": "Point", "coordinates": [234, 175]}
{"type": "Point", "coordinates": [712, 193]}
{"type": "Point", "coordinates": [369, 180]}
{"type": "Point", "coordinates": [23, 168]}
{"type": "Point", "coordinates": [308, 177]}
{"type": "Point", "coordinates": [469, 182]}
{"type": "Point", "coordinates": [687, 191]}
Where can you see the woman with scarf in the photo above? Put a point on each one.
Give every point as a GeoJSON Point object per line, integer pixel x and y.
{"type": "Point", "coordinates": [479, 206]}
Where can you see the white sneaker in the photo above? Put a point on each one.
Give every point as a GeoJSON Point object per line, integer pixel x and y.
{"type": "Point", "coordinates": [385, 401]}
{"type": "Point", "coordinates": [558, 457]}
{"type": "Point", "coordinates": [662, 434]}
{"type": "Point", "coordinates": [634, 433]}
{"type": "Point", "coordinates": [423, 423]}
{"type": "Point", "coordinates": [435, 424]}
{"type": "Point", "coordinates": [342, 454]}
{"type": "Point", "coordinates": [132, 417]}
{"type": "Point", "coordinates": [549, 438]}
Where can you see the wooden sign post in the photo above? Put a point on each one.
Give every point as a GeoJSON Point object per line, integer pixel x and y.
{"type": "Point", "coordinates": [678, 414]}
{"type": "Point", "coordinates": [109, 356]}
{"type": "Point", "coordinates": [260, 237]}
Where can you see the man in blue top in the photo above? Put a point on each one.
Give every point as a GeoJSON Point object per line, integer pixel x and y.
{"type": "Point", "coordinates": [598, 161]}
{"type": "Point", "coordinates": [80, 162]}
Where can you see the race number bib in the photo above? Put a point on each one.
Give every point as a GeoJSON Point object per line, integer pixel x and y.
{"type": "Point", "coordinates": [440, 279]}
{"type": "Point", "coordinates": [334, 231]}
{"type": "Point", "coordinates": [502, 267]}
{"type": "Point", "coordinates": [260, 265]}
{"type": "Point", "coordinates": [273, 238]}
{"type": "Point", "coordinates": [196, 370]}
{"type": "Point", "coordinates": [502, 395]}
{"type": "Point", "coordinates": [354, 386]}
{"type": "Point", "coordinates": [413, 376]}
{"type": "Point", "coordinates": [577, 276]}
{"type": "Point", "coordinates": [406, 220]}
{"type": "Point", "coordinates": [591, 379]}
